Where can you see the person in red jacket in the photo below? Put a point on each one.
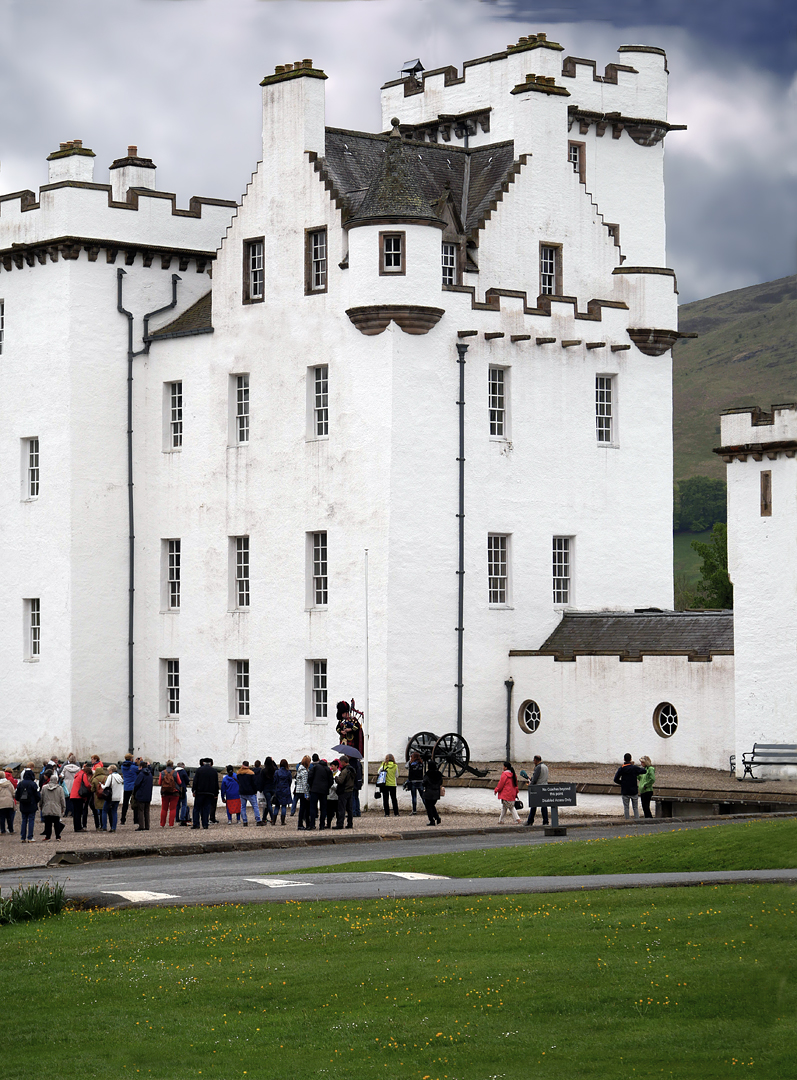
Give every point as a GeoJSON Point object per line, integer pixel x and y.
{"type": "Point", "coordinates": [506, 789]}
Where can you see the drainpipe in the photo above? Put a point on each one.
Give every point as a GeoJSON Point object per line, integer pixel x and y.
{"type": "Point", "coordinates": [509, 683]}
{"type": "Point", "coordinates": [131, 355]}
{"type": "Point", "coordinates": [461, 350]}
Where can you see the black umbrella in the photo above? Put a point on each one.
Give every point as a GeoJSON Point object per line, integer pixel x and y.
{"type": "Point", "coordinates": [349, 751]}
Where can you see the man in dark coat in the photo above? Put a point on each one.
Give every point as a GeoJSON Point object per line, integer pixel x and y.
{"type": "Point", "coordinates": [206, 792]}
{"type": "Point", "coordinates": [142, 790]}
{"type": "Point", "coordinates": [320, 780]}
{"type": "Point", "coordinates": [626, 777]}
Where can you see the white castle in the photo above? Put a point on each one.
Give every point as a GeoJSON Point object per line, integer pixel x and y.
{"type": "Point", "coordinates": [411, 443]}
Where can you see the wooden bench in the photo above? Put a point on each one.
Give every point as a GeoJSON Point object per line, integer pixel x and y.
{"type": "Point", "coordinates": [768, 754]}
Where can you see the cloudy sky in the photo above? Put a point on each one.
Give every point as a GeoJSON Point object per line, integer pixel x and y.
{"type": "Point", "coordinates": [179, 78]}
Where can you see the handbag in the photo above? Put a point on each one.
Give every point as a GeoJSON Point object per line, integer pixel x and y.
{"type": "Point", "coordinates": [84, 790]}
{"type": "Point", "coordinates": [518, 804]}
{"type": "Point", "coordinates": [381, 777]}
{"type": "Point", "coordinates": [377, 794]}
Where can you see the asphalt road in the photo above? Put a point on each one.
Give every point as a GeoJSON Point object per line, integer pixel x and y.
{"type": "Point", "coordinates": [266, 876]}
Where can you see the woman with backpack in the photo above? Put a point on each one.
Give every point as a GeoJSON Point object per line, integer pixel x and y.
{"type": "Point", "coordinates": [27, 795]}
{"type": "Point", "coordinates": [169, 783]}
{"type": "Point", "coordinates": [388, 770]}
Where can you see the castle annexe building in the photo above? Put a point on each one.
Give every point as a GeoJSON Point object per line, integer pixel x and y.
{"type": "Point", "coordinates": [433, 362]}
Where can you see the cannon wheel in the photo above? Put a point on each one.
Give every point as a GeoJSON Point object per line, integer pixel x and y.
{"type": "Point", "coordinates": [451, 754]}
{"type": "Point", "coordinates": [424, 743]}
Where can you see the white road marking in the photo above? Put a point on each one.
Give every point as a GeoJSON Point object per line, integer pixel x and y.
{"type": "Point", "coordinates": [411, 877]}
{"type": "Point", "coordinates": [140, 896]}
{"type": "Point", "coordinates": [278, 883]}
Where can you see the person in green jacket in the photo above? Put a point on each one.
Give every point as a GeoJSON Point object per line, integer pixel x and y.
{"type": "Point", "coordinates": [646, 783]}
{"type": "Point", "coordinates": [390, 769]}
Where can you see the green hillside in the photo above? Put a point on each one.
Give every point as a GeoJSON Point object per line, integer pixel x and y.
{"type": "Point", "coordinates": [745, 355]}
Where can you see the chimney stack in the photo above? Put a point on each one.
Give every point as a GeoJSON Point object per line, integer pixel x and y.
{"type": "Point", "coordinates": [131, 172]}
{"type": "Point", "coordinates": [72, 161]}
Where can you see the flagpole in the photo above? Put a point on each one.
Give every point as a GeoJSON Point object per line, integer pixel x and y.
{"type": "Point", "coordinates": [367, 714]}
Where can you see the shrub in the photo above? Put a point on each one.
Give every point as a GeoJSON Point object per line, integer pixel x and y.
{"type": "Point", "coordinates": [32, 902]}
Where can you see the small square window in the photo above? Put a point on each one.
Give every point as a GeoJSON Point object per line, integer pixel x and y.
{"type": "Point", "coordinates": [254, 284]}
{"type": "Point", "coordinates": [497, 570]}
{"type": "Point", "coordinates": [562, 570]}
{"type": "Point", "coordinates": [392, 256]}
{"type": "Point", "coordinates": [449, 259]}
{"type": "Point", "coordinates": [576, 155]}
{"type": "Point", "coordinates": [550, 270]}
{"type": "Point", "coordinates": [316, 261]}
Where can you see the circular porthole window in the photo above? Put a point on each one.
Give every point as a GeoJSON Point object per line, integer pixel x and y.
{"type": "Point", "coordinates": [665, 720]}
{"type": "Point", "coordinates": [529, 717]}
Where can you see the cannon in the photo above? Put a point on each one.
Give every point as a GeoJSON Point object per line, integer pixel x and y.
{"type": "Point", "coordinates": [449, 752]}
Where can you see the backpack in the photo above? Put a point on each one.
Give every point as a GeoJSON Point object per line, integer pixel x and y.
{"type": "Point", "coordinates": [24, 795]}
{"type": "Point", "coordinates": [85, 789]}
{"type": "Point", "coordinates": [169, 784]}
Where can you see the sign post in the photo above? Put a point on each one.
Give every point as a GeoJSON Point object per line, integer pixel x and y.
{"type": "Point", "coordinates": [553, 795]}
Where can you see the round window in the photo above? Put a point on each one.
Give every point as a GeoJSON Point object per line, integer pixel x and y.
{"type": "Point", "coordinates": [665, 720]}
{"type": "Point", "coordinates": [529, 717]}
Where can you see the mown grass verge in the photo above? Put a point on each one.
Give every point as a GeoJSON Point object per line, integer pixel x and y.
{"type": "Point", "coordinates": [645, 983]}
{"type": "Point", "coordinates": [752, 845]}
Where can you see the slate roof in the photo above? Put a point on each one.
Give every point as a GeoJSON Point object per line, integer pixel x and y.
{"type": "Point", "coordinates": [639, 633]}
{"type": "Point", "coordinates": [354, 159]}
{"type": "Point", "coordinates": [194, 320]}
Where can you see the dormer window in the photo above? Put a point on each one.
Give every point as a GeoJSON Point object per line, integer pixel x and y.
{"type": "Point", "coordinates": [449, 264]}
{"type": "Point", "coordinates": [391, 253]}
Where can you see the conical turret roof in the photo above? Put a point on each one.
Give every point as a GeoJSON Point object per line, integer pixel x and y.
{"type": "Point", "coordinates": [395, 192]}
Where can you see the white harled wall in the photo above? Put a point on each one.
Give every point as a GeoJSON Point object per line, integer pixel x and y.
{"type": "Point", "coordinates": [762, 562]}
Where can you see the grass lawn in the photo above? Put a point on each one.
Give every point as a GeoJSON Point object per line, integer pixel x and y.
{"type": "Point", "coordinates": [682, 983]}
{"type": "Point", "coordinates": [752, 845]}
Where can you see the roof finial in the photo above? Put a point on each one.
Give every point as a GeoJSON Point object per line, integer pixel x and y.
{"type": "Point", "coordinates": [395, 133]}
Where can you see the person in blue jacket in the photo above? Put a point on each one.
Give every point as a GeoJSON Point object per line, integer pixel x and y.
{"type": "Point", "coordinates": [27, 796]}
{"type": "Point", "coordinates": [129, 772]}
{"type": "Point", "coordinates": [231, 795]}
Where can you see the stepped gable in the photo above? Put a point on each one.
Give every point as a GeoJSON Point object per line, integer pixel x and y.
{"type": "Point", "coordinates": [639, 633]}
{"type": "Point", "coordinates": [355, 163]}
{"type": "Point", "coordinates": [194, 320]}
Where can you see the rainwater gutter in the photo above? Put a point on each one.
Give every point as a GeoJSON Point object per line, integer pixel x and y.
{"type": "Point", "coordinates": [131, 355]}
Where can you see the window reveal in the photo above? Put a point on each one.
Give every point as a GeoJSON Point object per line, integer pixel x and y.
{"type": "Point", "coordinates": [561, 569]}
{"type": "Point", "coordinates": [176, 415]}
{"type": "Point", "coordinates": [320, 580]}
{"type": "Point", "coordinates": [242, 571]}
{"type": "Point", "coordinates": [497, 402]}
{"type": "Point", "coordinates": [496, 569]}
{"type": "Point", "coordinates": [321, 405]}
{"type": "Point", "coordinates": [603, 408]}
{"type": "Point", "coordinates": [242, 408]}
{"type": "Point", "coordinates": [174, 574]}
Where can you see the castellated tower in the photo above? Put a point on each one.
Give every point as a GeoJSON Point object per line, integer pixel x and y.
{"type": "Point", "coordinates": [506, 226]}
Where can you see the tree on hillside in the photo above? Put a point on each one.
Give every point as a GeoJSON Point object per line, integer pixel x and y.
{"type": "Point", "coordinates": [714, 590]}
{"type": "Point", "coordinates": [699, 503]}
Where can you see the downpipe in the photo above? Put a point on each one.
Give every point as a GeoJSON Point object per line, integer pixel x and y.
{"type": "Point", "coordinates": [131, 355]}
{"type": "Point", "coordinates": [509, 684]}
{"type": "Point", "coordinates": [461, 350]}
